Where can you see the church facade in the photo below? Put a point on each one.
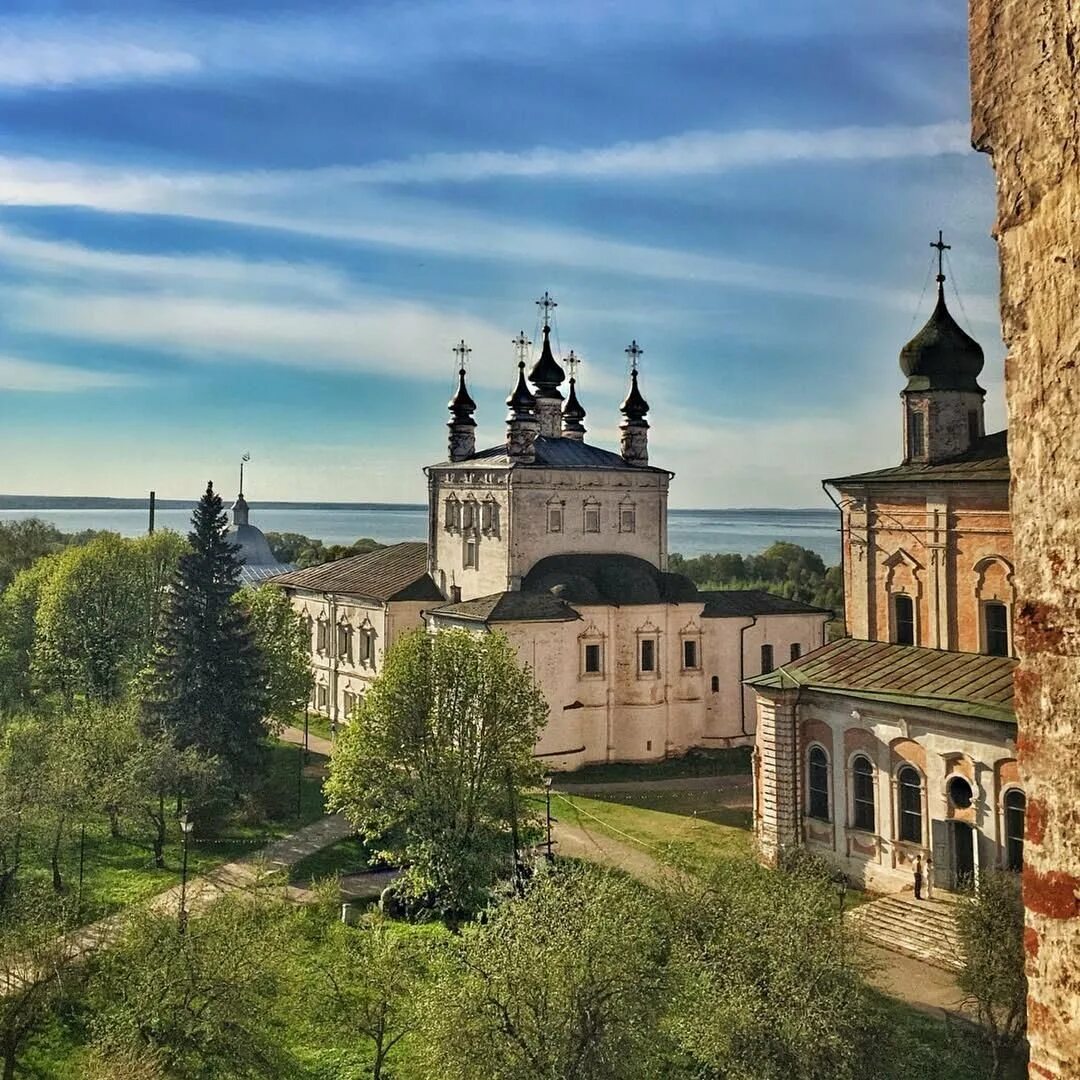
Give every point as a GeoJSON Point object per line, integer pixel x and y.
{"type": "Point", "coordinates": [562, 545]}
{"type": "Point", "coordinates": [899, 743]}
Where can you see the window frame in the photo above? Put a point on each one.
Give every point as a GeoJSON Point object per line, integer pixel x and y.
{"type": "Point", "coordinates": [818, 798]}
{"type": "Point", "coordinates": [863, 806]}
{"type": "Point", "coordinates": [1005, 631]}
{"type": "Point", "coordinates": [630, 510]}
{"type": "Point", "coordinates": [594, 649]}
{"type": "Point", "coordinates": [470, 554]}
{"type": "Point", "coordinates": [795, 652]}
{"type": "Point", "coordinates": [894, 610]}
{"type": "Point", "coordinates": [1013, 844]}
{"type": "Point", "coordinates": [904, 814]}
{"type": "Point", "coordinates": [692, 642]}
{"type": "Point", "coordinates": [648, 641]}
{"type": "Point", "coordinates": [768, 658]}
{"type": "Point", "coordinates": [916, 433]}
{"type": "Point", "coordinates": [344, 641]}
{"type": "Point", "coordinates": [555, 517]}
{"type": "Point", "coordinates": [590, 511]}
{"type": "Point", "coordinates": [452, 513]}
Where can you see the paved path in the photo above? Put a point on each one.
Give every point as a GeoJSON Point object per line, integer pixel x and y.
{"type": "Point", "coordinates": [315, 742]}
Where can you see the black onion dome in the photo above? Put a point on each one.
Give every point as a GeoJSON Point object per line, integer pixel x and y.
{"type": "Point", "coordinates": [461, 405]}
{"type": "Point", "coordinates": [521, 400]}
{"type": "Point", "coordinates": [941, 356]}
{"type": "Point", "coordinates": [635, 407]}
{"type": "Point", "coordinates": [573, 410]}
{"type": "Point", "coordinates": [546, 374]}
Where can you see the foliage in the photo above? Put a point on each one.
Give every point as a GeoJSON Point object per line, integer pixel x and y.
{"type": "Point", "coordinates": [23, 542]}
{"type": "Point", "coordinates": [432, 766]}
{"type": "Point", "coordinates": [767, 985]}
{"type": "Point", "coordinates": [208, 686]}
{"type": "Point", "coordinates": [990, 924]}
{"type": "Point", "coordinates": [23, 755]}
{"type": "Point", "coordinates": [782, 568]}
{"type": "Point", "coordinates": [566, 983]}
{"type": "Point", "coordinates": [196, 1002]}
{"type": "Point", "coordinates": [18, 626]}
{"type": "Point", "coordinates": [285, 644]}
{"type": "Point", "coordinates": [361, 985]}
{"type": "Point", "coordinates": [304, 551]}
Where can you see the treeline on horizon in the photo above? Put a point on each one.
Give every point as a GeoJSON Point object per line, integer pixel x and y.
{"type": "Point", "coordinates": [783, 568]}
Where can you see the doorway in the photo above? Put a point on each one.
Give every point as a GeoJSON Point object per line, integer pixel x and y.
{"type": "Point", "coordinates": [963, 856]}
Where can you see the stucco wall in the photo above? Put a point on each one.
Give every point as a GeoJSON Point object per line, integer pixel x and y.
{"type": "Point", "coordinates": [1025, 70]}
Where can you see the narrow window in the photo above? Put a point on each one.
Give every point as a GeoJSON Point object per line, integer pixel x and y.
{"type": "Point", "coordinates": [767, 664]}
{"type": "Point", "coordinates": [363, 646]}
{"type": "Point", "coordinates": [468, 520]}
{"type": "Point", "coordinates": [648, 654]}
{"type": "Point", "coordinates": [554, 519]}
{"type": "Point", "coordinates": [716, 684]}
{"type": "Point", "coordinates": [973, 426]}
{"type": "Point", "coordinates": [796, 650]}
{"type": "Point", "coordinates": [453, 512]}
{"type": "Point", "coordinates": [910, 805]}
{"type": "Point", "coordinates": [627, 519]}
{"type": "Point", "coordinates": [472, 555]}
{"type": "Point", "coordinates": [343, 642]}
{"type": "Point", "coordinates": [592, 519]}
{"type": "Point", "coordinates": [819, 784]}
{"type": "Point", "coordinates": [903, 619]}
{"type": "Point", "coordinates": [320, 636]}
{"type": "Point", "coordinates": [862, 793]}
{"type": "Point", "coordinates": [592, 660]}
{"type": "Point", "coordinates": [689, 654]}
{"type": "Point", "coordinates": [916, 434]}
{"type": "Point", "coordinates": [996, 620]}
{"type": "Point", "coordinates": [1015, 809]}
{"type": "Point", "coordinates": [323, 698]}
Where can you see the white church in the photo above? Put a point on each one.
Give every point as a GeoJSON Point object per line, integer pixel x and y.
{"type": "Point", "coordinates": [562, 546]}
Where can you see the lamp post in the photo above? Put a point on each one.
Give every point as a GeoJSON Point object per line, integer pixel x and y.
{"type": "Point", "coordinates": [547, 793]}
{"type": "Point", "coordinates": [186, 827]}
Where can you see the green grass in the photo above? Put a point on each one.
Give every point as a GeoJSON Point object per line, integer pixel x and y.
{"type": "Point", "coordinates": [317, 725]}
{"type": "Point", "coordinates": [731, 762]}
{"type": "Point", "coordinates": [120, 871]}
{"type": "Point", "coordinates": [348, 856]}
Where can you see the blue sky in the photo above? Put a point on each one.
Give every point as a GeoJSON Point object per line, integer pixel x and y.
{"type": "Point", "coordinates": [262, 226]}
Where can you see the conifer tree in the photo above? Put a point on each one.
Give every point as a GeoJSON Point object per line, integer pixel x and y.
{"type": "Point", "coordinates": [208, 684]}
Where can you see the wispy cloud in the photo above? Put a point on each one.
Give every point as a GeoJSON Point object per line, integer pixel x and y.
{"type": "Point", "coordinates": [17, 373]}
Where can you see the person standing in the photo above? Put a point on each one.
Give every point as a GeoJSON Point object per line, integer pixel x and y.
{"type": "Point", "coordinates": [928, 874]}
{"type": "Point", "coordinates": [918, 877]}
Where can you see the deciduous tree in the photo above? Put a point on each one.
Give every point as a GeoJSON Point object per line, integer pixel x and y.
{"type": "Point", "coordinates": [432, 764]}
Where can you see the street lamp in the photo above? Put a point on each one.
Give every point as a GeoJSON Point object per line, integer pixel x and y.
{"type": "Point", "coordinates": [186, 828]}
{"type": "Point", "coordinates": [547, 793]}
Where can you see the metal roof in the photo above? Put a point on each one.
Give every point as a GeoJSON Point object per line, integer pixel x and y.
{"type": "Point", "coordinates": [398, 572]}
{"type": "Point", "coordinates": [966, 684]}
{"type": "Point", "coordinates": [510, 607]}
{"type": "Point", "coordinates": [723, 603]}
{"type": "Point", "coordinates": [608, 579]}
{"type": "Point", "coordinates": [987, 460]}
{"type": "Point", "coordinates": [553, 452]}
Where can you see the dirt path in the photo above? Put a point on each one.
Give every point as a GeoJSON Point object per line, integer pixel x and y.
{"type": "Point", "coordinates": [736, 783]}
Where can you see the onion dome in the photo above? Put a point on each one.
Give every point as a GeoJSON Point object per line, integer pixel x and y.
{"type": "Point", "coordinates": [941, 356]}
{"type": "Point", "coordinates": [573, 410]}
{"type": "Point", "coordinates": [461, 405]}
{"type": "Point", "coordinates": [521, 401]}
{"type": "Point", "coordinates": [546, 374]}
{"type": "Point", "coordinates": [635, 407]}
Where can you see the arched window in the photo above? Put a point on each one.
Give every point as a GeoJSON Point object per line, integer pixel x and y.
{"type": "Point", "coordinates": [716, 684]}
{"type": "Point", "coordinates": [1015, 808]}
{"type": "Point", "coordinates": [819, 784]}
{"type": "Point", "coordinates": [862, 793]}
{"type": "Point", "coordinates": [903, 619]}
{"type": "Point", "coordinates": [996, 628]}
{"type": "Point", "coordinates": [910, 805]}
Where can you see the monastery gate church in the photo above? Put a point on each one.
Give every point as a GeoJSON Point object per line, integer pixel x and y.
{"type": "Point", "coordinates": [561, 545]}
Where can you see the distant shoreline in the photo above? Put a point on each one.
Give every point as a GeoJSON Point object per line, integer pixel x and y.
{"type": "Point", "coordinates": [102, 502]}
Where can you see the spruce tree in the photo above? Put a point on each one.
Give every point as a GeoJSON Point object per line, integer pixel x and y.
{"type": "Point", "coordinates": [208, 684]}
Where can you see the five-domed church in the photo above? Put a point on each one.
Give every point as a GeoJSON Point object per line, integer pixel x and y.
{"type": "Point", "coordinates": [562, 545]}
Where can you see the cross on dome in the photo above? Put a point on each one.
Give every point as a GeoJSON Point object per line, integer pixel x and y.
{"type": "Point", "coordinates": [521, 346]}
{"type": "Point", "coordinates": [942, 247]}
{"type": "Point", "coordinates": [547, 305]}
{"type": "Point", "coordinates": [572, 362]}
{"type": "Point", "coordinates": [461, 351]}
{"type": "Point", "coordinates": [634, 350]}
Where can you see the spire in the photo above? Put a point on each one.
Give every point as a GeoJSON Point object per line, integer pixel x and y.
{"type": "Point", "coordinates": [573, 413]}
{"type": "Point", "coordinates": [521, 422]}
{"type": "Point", "coordinates": [522, 403]}
{"type": "Point", "coordinates": [634, 429]}
{"type": "Point", "coordinates": [240, 507]}
{"type": "Point", "coordinates": [462, 440]}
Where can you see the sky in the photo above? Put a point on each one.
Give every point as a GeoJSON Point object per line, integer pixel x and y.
{"type": "Point", "coordinates": [262, 227]}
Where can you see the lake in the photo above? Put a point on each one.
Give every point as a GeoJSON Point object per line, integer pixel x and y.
{"type": "Point", "coordinates": [690, 532]}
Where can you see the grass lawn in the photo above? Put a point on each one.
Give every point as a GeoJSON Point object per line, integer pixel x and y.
{"type": "Point", "coordinates": [348, 856]}
{"type": "Point", "coordinates": [121, 871]}
{"type": "Point", "coordinates": [697, 763]}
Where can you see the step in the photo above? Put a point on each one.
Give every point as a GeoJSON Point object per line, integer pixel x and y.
{"type": "Point", "coordinates": [922, 929]}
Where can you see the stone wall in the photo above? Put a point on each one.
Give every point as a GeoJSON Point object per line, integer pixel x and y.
{"type": "Point", "coordinates": [1025, 71]}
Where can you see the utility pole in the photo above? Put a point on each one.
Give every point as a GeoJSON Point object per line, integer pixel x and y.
{"type": "Point", "coordinates": [153, 501]}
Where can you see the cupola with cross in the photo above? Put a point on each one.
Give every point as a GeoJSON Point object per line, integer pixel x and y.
{"type": "Point", "coordinates": [462, 442]}
{"type": "Point", "coordinates": [942, 401]}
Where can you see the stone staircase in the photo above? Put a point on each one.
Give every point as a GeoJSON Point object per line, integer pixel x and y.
{"type": "Point", "coordinates": [922, 929]}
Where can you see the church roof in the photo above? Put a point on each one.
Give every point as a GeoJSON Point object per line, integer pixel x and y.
{"type": "Point", "coordinates": [607, 579]}
{"type": "Point", "coordinates": [552, 452]}
{"type": "Point", "coordinates": [986, 460]}
{"type": "Point", "coordinates": [254, 547]}
{"type": "Point", "coordinates": [941, 356]}
{"type": "Point", "coordinates": [546, 374]}
{"type": "Point", "coordinates": [510, 607]}
{"type": "Point", "coordinates": [397, 572]}
{"type": "Point", "coordinates": [964, 684]}
{"type": "Point", "coordinates": [725, 603]}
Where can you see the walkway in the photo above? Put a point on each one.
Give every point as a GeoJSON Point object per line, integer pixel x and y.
{"type": "Point", "coordinates": [315, 742]}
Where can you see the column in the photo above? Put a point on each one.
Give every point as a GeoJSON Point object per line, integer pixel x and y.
{"type": "Point", "coordinates": [778, 749]}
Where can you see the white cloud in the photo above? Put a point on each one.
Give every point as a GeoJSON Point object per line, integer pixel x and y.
{"type": "Point", "coordinates": [61, 61]}
{"type": "Point", "coordinates": [32, 375]}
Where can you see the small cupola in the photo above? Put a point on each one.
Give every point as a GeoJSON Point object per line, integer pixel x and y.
{"type": "Point", "coordinates": [573, 414]}
{"type": "Point", "coordinates": [634, 429]}
{"type": "Point", "coordinates": [462, 439]}
{"type": "Point", "coordinates": [547, 376]}
{"type": "Point", "coordinates": [521, 422]}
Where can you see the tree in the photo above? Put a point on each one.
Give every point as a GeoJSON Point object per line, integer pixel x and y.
{"type": "Point", "coordinates": [767, 984]}
{"type": "Point", "coordinates": [18, 626]}
{"type": "Point", "coordinates": [364, 983]}
{"type": "Point", "coordinates": [23, 770]}
{"type": "Point", "coordinates": [208, 683]}
{"type": "Point", "coordinates": [285, 645]}
{"type": "Point", "coordinates": [566, 982]}
{"type": "Point", "coordinates": [22, 543]}
{"type": "Point", "coordinates": [432, 764]}
{"type": "Point", "coordinates": [197, 1003]}
{"type": "Point", "coordinates": [990, 924]}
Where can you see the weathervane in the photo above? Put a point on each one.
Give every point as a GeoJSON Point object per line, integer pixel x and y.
{"type": "Point", "coordinates": [461, 351]}
{"type": "Point", "coordinates": [246, 456]}
{"type": "Point", "coordinates": [521, 346]}
{"type": "Point", "coordinates": [634, 350]}
{"type": "Point", "coordinates": [546, 305]}
{"type": "Point", "coordinates": [942, 247]}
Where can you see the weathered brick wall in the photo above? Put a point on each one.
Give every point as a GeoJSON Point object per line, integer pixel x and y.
{"type": "Point", "coordinates": [1025, 71]}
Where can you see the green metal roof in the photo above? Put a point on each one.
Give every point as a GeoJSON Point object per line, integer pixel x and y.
{"type": "Point", "coordinates": [965, 684]}
{"type": "Point", "coordinates": [986, 459]}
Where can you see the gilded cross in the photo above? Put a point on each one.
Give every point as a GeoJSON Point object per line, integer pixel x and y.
{"type": "Point", "coordinates": [634, 350]}
{"type": "Point", "coordinates": [942, 247]}
{"type": "Point", "coordinates": [546, 305]}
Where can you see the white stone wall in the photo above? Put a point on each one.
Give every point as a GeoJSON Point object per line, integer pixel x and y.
{"type": "Point", "coordinates": [945, 422]}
